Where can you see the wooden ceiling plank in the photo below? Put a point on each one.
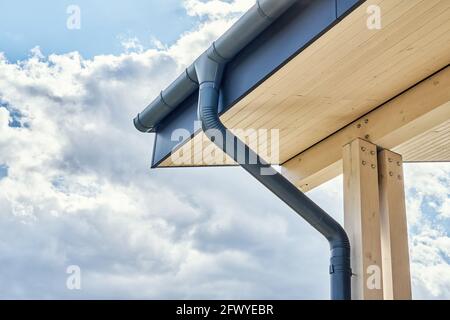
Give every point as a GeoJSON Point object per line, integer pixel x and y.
{"type": "Point", "coordinates": [344, 31]}
{"type": "Point", "coordinates": [299, 115]}
{"type": "Point", "coordinates": [332, 57]}
{"type": "Point", "coordinates": [423, 69]}
{"type": "Point", "coordinates": [344, 74]}
{"type": "Point", "coordinates": [419, 109]}
{"type": "Point", "coordinates": [364, 57]}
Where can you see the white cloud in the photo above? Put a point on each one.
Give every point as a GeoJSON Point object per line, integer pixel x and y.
{"type": "Point", "coordinates": [216, 9]}
{"type": "Point", "coordinates": [428, 195]}
{"type": "Point", "coordinates": [4, 119]}
{"type": "Point", "coordinates": [132, 44]}
{"type": "Point", "coordinates": [79, 191]}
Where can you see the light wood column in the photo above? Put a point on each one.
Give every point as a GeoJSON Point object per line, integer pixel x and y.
{"type": "Point", "coordinates": [394, 230]}
{"type": "Point", "coordinates": [362, 219]}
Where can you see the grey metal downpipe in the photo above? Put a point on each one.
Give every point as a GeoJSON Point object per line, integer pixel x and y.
{"type": "Point", "coordinates": [205, 74]}
{"type": "Point", "coordinates": [340, 270]}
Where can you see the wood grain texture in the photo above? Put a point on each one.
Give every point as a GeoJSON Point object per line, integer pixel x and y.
{"type": "Point", "coordinates": [362, 218]}
{"type": "Point", "coordinates": [414, 124]}
{"type": "Point", "coordinates": [343, 75]}
{"type": "Point", "coordinates": [394, 229]}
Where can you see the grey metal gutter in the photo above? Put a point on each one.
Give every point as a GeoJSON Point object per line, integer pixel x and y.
{"type": "Point", "coordinates": [252, 23]}
{"type": "Point", "coordinates": [205, 75]}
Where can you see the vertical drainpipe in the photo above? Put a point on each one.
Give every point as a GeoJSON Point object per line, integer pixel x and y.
{"type": "Point", "coordinates": [206, 74]}
{"type": "Point", "coordinates": [209, 68]}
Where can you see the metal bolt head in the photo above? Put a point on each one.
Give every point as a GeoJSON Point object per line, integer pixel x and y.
{"type": "Point", "coordinates": [390, 159]}
{"type": "Point", "coordinates": [367, 137]}
{"type": "Point", "coordinates": [373, 166]}
{"type": "Point", "coordinates": [366, 121]}
{"type": "Point", "coordinates": [364, 163]}
{"type": "Point", "coordinates": [359, 126]}
{"type": "Point", "coordinates": [363, 149]}
{"type": "Point", "coordinates": [372, 153]}
{"type": "Point", "coordinates": [391, 173]}
{"type": "Point", "coordinates": [399, 163]}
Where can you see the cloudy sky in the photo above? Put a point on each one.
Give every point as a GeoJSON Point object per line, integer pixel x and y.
{"type": "Point", "coordinates": [76, 189]}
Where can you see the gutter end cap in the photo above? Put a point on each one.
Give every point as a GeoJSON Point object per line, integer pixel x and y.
{"type": "Point", "coordinates": [140, 127]}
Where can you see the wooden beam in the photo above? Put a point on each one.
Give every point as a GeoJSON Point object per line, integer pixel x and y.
{"type": "Point", "coordinates": [394, 230]}
{"type": "Point", "coordinates": [400, 120]}
{"type": "Point", "coordinates": [346, 73]}
{"type": "Point", "coordinates": [362, 220]}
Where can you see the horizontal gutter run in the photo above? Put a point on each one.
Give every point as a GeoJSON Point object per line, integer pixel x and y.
{"type": "Point", "coordinates": [245, 30]}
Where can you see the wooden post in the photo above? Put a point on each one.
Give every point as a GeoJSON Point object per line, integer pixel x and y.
{"type": "Point", "coordinates": [361, 218]}
{"type": "Point", "coordinates": [394, 230]}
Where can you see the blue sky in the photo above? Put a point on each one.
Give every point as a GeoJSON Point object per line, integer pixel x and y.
{"type": "Point", "coordinates": [76, 189]}
{"type": "Point", "coordinates": [26, 24]}
{"type": "Point", "coordinates": [3, 171]}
